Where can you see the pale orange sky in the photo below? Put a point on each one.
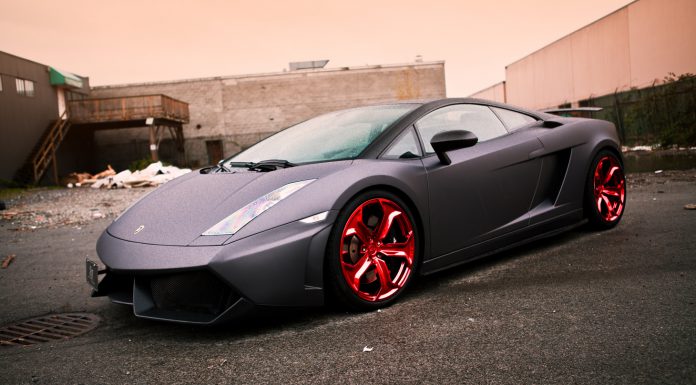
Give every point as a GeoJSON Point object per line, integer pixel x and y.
{"type": "Point", "coordinates": [129, 41]}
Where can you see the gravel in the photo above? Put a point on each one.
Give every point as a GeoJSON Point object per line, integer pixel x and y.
{"type": "Point", "coordinates": [55, 207]}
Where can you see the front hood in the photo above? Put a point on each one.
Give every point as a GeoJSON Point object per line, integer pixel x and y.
{"type": "Point", "coordinates": [178, 212]}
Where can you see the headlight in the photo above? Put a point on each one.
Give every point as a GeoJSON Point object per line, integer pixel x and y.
{"type": "Point", "coordinates": [246, 214]}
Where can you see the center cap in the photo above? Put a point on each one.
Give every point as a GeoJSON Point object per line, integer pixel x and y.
{"type": "Point", "coordinates": [373, 247]}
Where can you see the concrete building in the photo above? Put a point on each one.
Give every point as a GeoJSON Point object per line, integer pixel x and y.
{"type": "Point", "coordinates": [33, 97]}
{"type": "Point", "coordinates": [230, 113]}
{"type": "Point", "coordinates": [633, 47]}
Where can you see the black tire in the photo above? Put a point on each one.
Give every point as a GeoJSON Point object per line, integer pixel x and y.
{"type": "Point", "coordinates": [605, 176]}
{"type": "Point", "coordinates": [369, 291]}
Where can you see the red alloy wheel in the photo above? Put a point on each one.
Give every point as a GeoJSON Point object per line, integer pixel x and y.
{"type": "Point", "coordinates": [609, 188]}
{"type": "Point", "coordinates": [377, 249]}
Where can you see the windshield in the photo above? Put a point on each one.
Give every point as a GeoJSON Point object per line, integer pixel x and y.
{"type": "Point", "coordinates": [336, 135]}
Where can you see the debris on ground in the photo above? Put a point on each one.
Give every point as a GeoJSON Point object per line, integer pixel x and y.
{"type": "Point", "coordinates": [8, 259]}
{"type": "Point", "coordinates": [108, 172]}
{"type": "Point", "coordinates": [153, 175]}
{"type": "Point", "coordinates": [690, 206]}
{"type": "Point", "coordinates": [49, 207]}
{"type": "Point", "coordinates": [367, 349]}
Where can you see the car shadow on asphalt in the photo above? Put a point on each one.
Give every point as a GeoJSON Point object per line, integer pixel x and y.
{"type": "Point", "coordinates": [296, 320]}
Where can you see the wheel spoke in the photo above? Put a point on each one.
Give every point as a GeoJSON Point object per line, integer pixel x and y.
{"type": "Point", "coordinates": [610, 207]}
{"type": "Point", "coordinates": [598, 174]}
{"type": "Point", "coordinates": [357, 227]}
{"type": "Point", "coordinates": [611, 192]}
{"type": "Point", "coordinates": [357, 270]}
{"type": "Point", "coordinates": [385, 282]}
{"type": "Point", "coordinates": [400, 250]}
{"type": "Point", "coordinates": [610, 174]}
{"type": "Point", "coordinates": [389, 214]}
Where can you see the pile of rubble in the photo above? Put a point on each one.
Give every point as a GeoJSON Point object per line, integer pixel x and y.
{"type": "Point", "coordinates": [153, 175]}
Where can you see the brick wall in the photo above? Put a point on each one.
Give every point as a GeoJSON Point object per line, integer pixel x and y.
{"type": "Point", "coordinates": [241, 110]}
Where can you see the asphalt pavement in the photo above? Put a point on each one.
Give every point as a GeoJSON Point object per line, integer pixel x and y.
{"type": "Point", "coordinates": [614, 307]}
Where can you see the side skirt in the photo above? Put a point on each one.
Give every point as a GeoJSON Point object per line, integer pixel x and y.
{"type": "Point", "coordinates": [523, 236]}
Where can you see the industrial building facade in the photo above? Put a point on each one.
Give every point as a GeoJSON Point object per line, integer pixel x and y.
{"type": "Point", "coordinates": [636, 46]}
{"type": "Point", "coordinates": [53, 120]}
{"type": "Point", "coordinates": [32, 97]}
{"type": "Point", "coordinates": [228, 114]}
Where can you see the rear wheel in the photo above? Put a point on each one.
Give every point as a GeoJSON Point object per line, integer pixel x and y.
{"type": "Point", "coordinates": [373, 251]}
{"type": "Point", "coordinates": [605, 193]}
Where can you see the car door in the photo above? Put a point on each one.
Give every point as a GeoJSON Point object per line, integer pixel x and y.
{"type": "Point", "coordinates": [487, 190]}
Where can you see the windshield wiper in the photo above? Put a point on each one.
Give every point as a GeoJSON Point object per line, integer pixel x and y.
{"type": "Point", "coordinates": [215, 169]}
{"type": "Point", "coordinates": [270, 165]}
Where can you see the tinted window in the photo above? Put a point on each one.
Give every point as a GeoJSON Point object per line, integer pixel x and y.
{"type": "Point", "coordinates": [470, 117]}
{"type": "Point", "coordinates": [405, 146]}
{"type": "Point", "coordinates": [513, 120]}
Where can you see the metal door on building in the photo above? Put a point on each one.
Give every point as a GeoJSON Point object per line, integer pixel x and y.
{"type": "Point", "coordinates": [215, 151]}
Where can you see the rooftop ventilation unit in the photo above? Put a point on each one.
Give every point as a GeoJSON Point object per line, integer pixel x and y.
{"type": "Point", "coordinates": [307, 65]}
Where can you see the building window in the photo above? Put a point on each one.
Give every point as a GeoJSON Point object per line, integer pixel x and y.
{"type": "Point", "coordinates": [70, 96]}
{"type": "Point", "coordinates": [25, 87]}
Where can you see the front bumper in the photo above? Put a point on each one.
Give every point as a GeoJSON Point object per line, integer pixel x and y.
{"type": "Point", "coordinates": [282, 266]}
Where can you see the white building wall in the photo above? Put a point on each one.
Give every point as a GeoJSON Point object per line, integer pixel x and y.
{"type": "Point", "coordinates": [631, 47]}
{"type": "Point", "coordinates": [662, 37]}
{"type": "Point", "coordinates": [495, 93]}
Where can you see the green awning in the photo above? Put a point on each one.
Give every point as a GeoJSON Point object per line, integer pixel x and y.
{"type": "Point", "coordinates": [64, 78]}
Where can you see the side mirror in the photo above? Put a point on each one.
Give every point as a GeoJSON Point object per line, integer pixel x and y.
{"type": "Point", "coordinates": [451, 140]}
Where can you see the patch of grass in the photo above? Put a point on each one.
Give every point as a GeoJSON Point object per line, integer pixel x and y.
{"type": "Point", "coordinates": [11, 193]}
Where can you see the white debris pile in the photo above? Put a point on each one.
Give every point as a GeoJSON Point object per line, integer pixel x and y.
{"type": "Point", "coordinates": [153, 175]}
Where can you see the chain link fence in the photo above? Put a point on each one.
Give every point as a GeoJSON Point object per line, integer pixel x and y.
{"type": "Point", "coordinates": [663, 114]}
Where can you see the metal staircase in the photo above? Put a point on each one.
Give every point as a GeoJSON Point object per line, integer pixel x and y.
{"type": "Point", "coordinates": [44, 152]}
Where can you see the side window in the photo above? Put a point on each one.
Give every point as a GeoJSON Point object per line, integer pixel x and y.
{"type": "Point", "coordinates": [513, 120]}
{"type": "Point", "coordinates": [405, 146]}
{"type": "Point", "coordinates": [471, 117]}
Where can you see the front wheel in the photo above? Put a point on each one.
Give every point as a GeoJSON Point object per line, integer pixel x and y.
{"type": "Point", "coordinates": [605, 192]}
{"type": "Point", "coordinates": [373, 251]}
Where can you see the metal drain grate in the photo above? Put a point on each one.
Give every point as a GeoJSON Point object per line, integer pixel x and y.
{"type": "Point", "coordinates": [49, 328]}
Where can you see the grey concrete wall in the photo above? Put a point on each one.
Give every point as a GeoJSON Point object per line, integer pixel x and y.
{"type": "Point", "coordinates": [241, 110]}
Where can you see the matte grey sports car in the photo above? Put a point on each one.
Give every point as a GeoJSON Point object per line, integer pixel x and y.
{"type": "Point", "coordinates": [353, 204]}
